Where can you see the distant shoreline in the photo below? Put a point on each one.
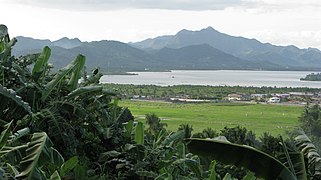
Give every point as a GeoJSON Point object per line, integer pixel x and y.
{"type": "Point", "coordinates": [135, 72]}
{"type": "Point", "coordinates": [121, 73]}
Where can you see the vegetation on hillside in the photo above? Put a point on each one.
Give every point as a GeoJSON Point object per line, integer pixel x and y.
{"type": "Point", "coordinates": [206, 49]}
{"type": "Point", "coordinates": [55, 127]}
{"type": "Point", "coordinates": [261, 55]}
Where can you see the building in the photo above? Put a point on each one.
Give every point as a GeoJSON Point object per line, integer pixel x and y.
{"type": "Point", "coordinates": [301, 94]}
{"type": "Point", "coordinates": [238, 97]}
{"type": "Point", "coordinates": [259, 97]}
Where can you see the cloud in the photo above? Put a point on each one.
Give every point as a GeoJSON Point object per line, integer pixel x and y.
{"type": "Point", "coordinates": [197, 5]}
{"type": "Point", "coordinates": [302, 39]}
{"type": "Point", "coordinates": [193, 5]}
{"type": "Point", "coordinates": [277, 5]}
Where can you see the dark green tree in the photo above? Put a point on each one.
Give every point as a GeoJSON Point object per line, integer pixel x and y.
{"type": "Point", "coordinates": [270, 144]}
{"type": "Point", "coordinates": [187, 130]}
{"type": "Point", "coordinates": [311, 120]}
{"type": "Point", "coordinates": [154, 123]}
{"type": "Point", "coordinates": [238, 135]}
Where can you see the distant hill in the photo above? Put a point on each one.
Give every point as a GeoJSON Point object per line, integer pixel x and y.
{"type": "Point", "coordinates": [112, 56]}
{"type": "Point", "coordinates": [285, 57]}
{"type": "Point", "coordinates": [67, 43]}
{"type": "Point", "coordinates": [201, 57]}
{"type": "Point", "coordinates": [27, 45]}
{"type": "Point", "coordinates": [115, 56]}
{"type": "Point", "coordinates": [204, 49]}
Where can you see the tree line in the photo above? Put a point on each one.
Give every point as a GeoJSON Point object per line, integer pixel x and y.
{"type": "Point", "coordinates": [312, 77]}
{"type": "Point", "coordinates": [198, 92]}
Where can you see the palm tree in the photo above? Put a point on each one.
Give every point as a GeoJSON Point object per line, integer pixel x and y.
{"type": "Point", "coordinates": [154, 123]}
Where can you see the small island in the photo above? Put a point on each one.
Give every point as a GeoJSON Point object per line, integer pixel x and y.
{"type": "Point", "coordinates": [312, 77]}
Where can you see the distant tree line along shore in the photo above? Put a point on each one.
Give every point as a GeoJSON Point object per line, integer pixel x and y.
{"type": "Point", "coordinates": [195, 93]}
{"type": "Point", "coordinates": [312, 77]}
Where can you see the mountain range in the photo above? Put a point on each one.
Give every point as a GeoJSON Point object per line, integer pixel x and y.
{"type": "Point", "coordinates": [205, 49]}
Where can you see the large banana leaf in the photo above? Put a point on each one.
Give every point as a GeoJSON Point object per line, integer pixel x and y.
{"type": "Point", "coordinates": [55, 176]}
{"type": "Point", "coordinates": [173, 138]}
{"type": "Point", "coordinates": [7, 151]}
{"type": "Point", "coordinates": [61, 74]}
{"type": "Point", "coordinates": [76, 73]}
{"type": "Point", "coordinates": [68, 165]}
{"type": "Point", "coordinates": [7, 148]}
{"type": "Point", "coordinates": [4, 136]}
{"type": "Point", "coordinates": [10, 100]}
{"type": "Point", "coordinates": [298, 162]}
{"type": "Point", "coordinates": [9, 171]}
{"type": "Point", "coordinates": [41, 64]}
{"type": "Point", "coordinates": [262, 164]}
{"type": "Point", "coordinates": [212, 172]}
{"type": "Point", "coordinates": [93, 78]}
{"type": "Point", "coordinates": [192, 164]}
{"type": "Point", "coordinates": [139, 133]}
{"type": "Point", "coordinates": [6, 46]}
{"type": "Point", "coordinates": [84, 90]}
{"type": "Point", "coordinates": [3, 34]}
{"type": "Point", "coordinates": [3, 31]}
{"type": "Point", "coordinates": [39, 152]}
{"type": "Point", "coordinates": [128, 129]}
{"type": "Point", "coordinates": [308, 149]}
{"type": "Point", "coordinates": [294, 161]}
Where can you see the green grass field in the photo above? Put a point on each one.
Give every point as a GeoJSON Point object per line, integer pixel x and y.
{"type": "Point", "coordinates": [275, 119]}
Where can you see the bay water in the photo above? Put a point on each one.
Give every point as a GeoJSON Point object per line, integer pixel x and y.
{"type": "Point", "coordinates": [216, 78]}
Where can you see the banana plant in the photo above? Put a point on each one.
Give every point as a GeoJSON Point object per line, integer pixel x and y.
{"type": "Point", "coordinates": [139, 134]}
{"type": "Point", "coordinates": [4, 39]}
{"type": "Point", "coordinates": [27, 160]}
{"type": "Point", "coordinates": [78, 116]}
{"type": "Point", "coordinates": [310, 153]}
{"type": "Point", "coordinates": [73, 68]}
{"type": "Point", "coordinates": [38, 154]}
{"type": "Point", "coordinates": [262, 164]}
{"type": "Point", "coordinates": [10, 100]}
{"type": "Point", "coordinates": [41, 65]}
{"type": "Point", "coordinates": [5, 42]}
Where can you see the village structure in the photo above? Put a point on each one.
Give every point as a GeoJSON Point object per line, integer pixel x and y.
{"type": "Point", "coordinates": [285, 98]}
{"type": "Point", "coordinates": [289, 98]}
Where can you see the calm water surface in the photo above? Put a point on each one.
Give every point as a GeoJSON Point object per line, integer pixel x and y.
{"type": "Point", "coordinates": [216, 78]}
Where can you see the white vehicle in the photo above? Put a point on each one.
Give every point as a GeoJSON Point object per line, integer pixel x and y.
{"type": "Point", "coordinates": [274, 100]}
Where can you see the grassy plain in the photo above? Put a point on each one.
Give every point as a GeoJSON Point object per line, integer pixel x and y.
{"type": "Point", "coordinates": [275, 119]}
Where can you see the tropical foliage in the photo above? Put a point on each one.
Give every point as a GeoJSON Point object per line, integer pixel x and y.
{"type": "Point", "coordinates": [65, 125]}
{"type": "Point", "coordinates": [41, 109]}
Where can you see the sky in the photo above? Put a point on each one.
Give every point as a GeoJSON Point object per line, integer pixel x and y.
{"type": "Point", "coordinates": [280, 22]}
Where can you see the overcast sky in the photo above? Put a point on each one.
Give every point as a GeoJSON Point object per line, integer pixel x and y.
{"type": "Point", "coordinates": [280, 22]}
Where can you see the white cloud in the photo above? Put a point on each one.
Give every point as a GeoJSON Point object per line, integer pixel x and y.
{"type": "Point", "coordinates": [135, 4]}
{"type": "Point", "coordinates": [299, 38]}
{"type": "Point", "coordinates": [197, 5]}
{"type": "Point", "coordinates": [298, 25]}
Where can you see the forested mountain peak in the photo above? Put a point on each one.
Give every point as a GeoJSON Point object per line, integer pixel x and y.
{"type": "Point", "coordinates": [212, 50]}
{"type": "Point", "coordinates": [241, 47]}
